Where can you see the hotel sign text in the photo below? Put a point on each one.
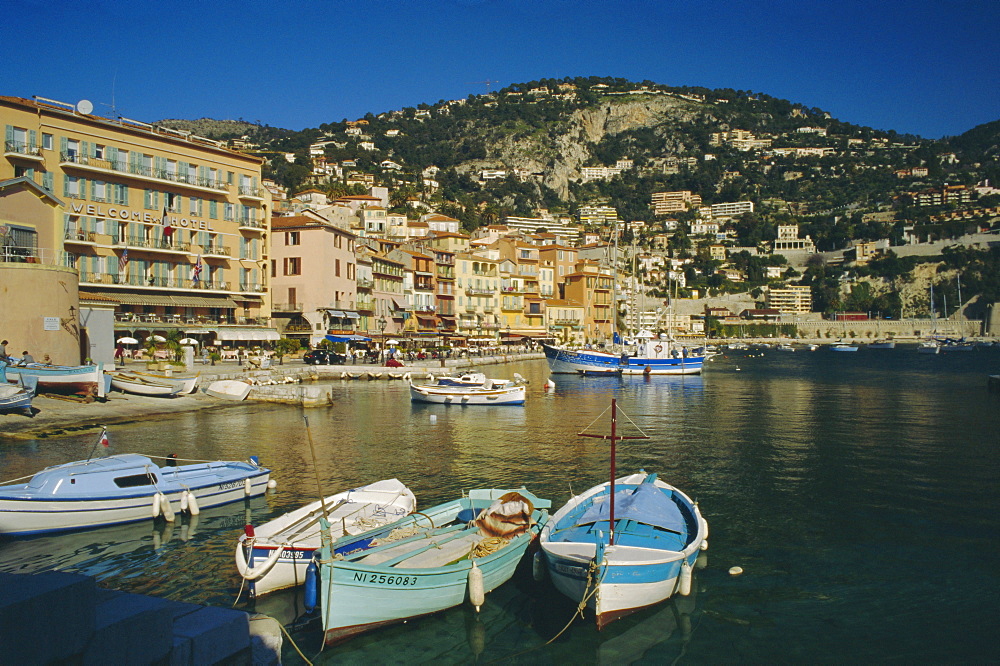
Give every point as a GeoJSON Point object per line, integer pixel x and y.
{"type": "Point", "coordinates": [138, 216]}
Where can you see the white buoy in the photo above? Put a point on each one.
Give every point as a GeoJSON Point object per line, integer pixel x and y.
{"type": "Point", "coordinates": [705, 523]}
{"type": "Point", "coordinates": [434, 418]}
{"type": "Point", "coordinates": [684, 584]}
{"type": "Point", "coordinates": [193, 507]}
{"type": "Point", "coordinates": [704, 544]}
{"type": "Point", "coordinates": [735, 571]}
{"type": "Point", "coordinates": [538, 566]}
{"type": "Point", "coordinates": [156, 505]}
{"type": "Point", "coordinates": [166, 509]}
{"type": "Point", "coordinates": [549, 385]}
{"type": "Point", "coordinates": [272, 484]}
{"type": "Point", "coordinates": [247, 486]}
{"type": "Point", "coordinates": [406, 377]}
{"type": "Point", "coordinates": [476, 594]}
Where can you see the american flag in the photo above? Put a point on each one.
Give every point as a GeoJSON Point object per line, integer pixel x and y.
{"type": "Point", "coordinates": [123, 261]}
{"type": "Point", "coordinates": [197, 271]}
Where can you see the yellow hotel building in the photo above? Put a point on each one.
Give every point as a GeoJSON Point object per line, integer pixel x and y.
{"type": "Point", "coordinates": [168, 227]}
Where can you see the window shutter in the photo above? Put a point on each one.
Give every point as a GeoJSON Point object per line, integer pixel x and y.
{"type": "Point", "coordinates": [66, 185]}
{"type": "Point", "coordinates": [47, 180]}
{"type": "Point", "coordinates": [9, 135]}
{"type": "Point", "coordinates": [32, 139]}
{"type": "Point", "coordinates": [63, 146]}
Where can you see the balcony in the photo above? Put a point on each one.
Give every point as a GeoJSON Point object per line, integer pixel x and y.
{"type": "Point", "coordinates": [145, 173]}
{"type": "Point", "coordinates": [251, 287]}
{"type": "Point", "coordinates": [566, 322]}
{"type": "Point", "coordinates": [140, 242]}
{"type": "Point", "coordinates": [478, 291]}
{"type": "Point", "coordinates": [286, 307]}
{"type": "Point", "coordinates": [88, 277]}
{"type": "Point", "coordinates": [366, 283]}
{"type": "Point", "coordinates": [82, 237]}
{"type": "Point", "coordinates": [215, 250]}
{"type": "Point", "coordinates": [366, 304]}
{"type": "Point", "coordinates": [23, 150]}
{"type": "Point", "coordinates": [248, 192]}
{"type": "Point", "coordinates": [249, 223]}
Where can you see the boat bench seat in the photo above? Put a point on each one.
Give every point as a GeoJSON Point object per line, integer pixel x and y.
{"type": "Point", "coordinates": [443, 554]}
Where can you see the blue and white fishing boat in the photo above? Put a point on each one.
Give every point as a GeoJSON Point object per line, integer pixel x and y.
{"type": "Point", "coordinates": [843, 347]}
{"type": "Point", "coordinates": [431, 561]}
{"type": "Point", "coordinates": [16, 398]}
{"type": "Point", "coordinates": [120, 489]}
{"type": "Point", "coordinates": [85, 379]}
{"type": "Point", "coordinates": [625, 544]}
{"type": "Point", "coordinates": [275, 555]}
{"type": "Point", "coordinates": [651, 357]}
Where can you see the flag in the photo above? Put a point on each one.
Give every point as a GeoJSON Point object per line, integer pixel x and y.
{"type": "Point", "coordinates": [104, 439]}
{"type": "Point", "coordinates": [196, 275]}
{"type": "Point", "coordinates": [123, 261]}
{"type": "Point", "coordinates": [168, 230]}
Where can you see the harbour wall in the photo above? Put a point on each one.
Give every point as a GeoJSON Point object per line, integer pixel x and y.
{"type": "Point", "coordinates": [59, 617]}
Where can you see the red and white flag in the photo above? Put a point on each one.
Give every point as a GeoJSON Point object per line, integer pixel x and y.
{"type": "Point", "coordinates": [104, 441]}
{"type": "Point", "coordinates": [165, 221]}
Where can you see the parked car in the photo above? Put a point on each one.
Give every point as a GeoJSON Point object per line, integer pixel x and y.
{"type": "Point", "coordinates": [323, 357]}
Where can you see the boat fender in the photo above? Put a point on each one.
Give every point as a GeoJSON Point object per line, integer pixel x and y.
{"type": "Point", "coordinates": [156, 505]}
{"type": "Point", "coordinates": [430, 377]}
{"type": "Point", "coordinates": [476, 593]}
{"type": "Point", "coordinates": [184, 501]}
{"type": "Point", "coordinates": [704, 544]}
{"type": "Point", "coordinates": [705, 524]}
{"type": "Point", "coordinates": [247, 486]}
{"type": "Point", "coordinates": [166, 509]}
{"type": "Point", "coordinates": [550, 385]}
{"type": "Point", "coordinates": [406, 377]}
{"type": "Point", "coordinates": [193, 507]}
{"type": "Point", "coordinates": [538, 566]}
{"type": "Point", "coordinates": [272, 484]}
{"type": "Point", "coordinates": [252, 572]}
{"type": "Point", "coordinates": [684, 582]}
{"type": "Point", "coordinates": [312, 586]}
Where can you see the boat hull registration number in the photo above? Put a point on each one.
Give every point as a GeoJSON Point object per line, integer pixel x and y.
{"type": "Point", "coordinates": [385, 579]}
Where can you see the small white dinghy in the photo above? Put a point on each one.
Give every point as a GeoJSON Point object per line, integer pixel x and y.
{"type": "Point", "coordinates": [228, 389]}
{"type": "Point", "coordinates": [275, 555]}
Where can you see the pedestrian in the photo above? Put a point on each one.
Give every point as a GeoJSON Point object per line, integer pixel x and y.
{"type": "Point", "coordinates": [26, 358]}
{"type": "Point", "coordinates": [3, 351]}
{"type": "Point", "coordinates": [120, 354]}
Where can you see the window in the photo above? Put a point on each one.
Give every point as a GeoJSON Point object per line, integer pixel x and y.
{"type": "Point", "coordinates": [213, 210]}
{"type": "Point", "coordinates": [99, 190]}
{"type": "Point", "coordinates": [71, 186]}
{"type": "Point", "coordinates": [228, 211]}
{"type": "Point", "coordinates": [98, 151]}
{"type": "Point", "coordinates": [350, 271]}
{"type": "Point", "coordinates": [196, 206]}
{"type": "Point", "coordinates": [47, 142]}
{"type": "Point", "coordinates": [274, 268]}
{"type": "Point", "coordinates": [293, 266]}
{"type": "Point", "coordinates": [136, 480]}
{"type": "Point", "coordinates": [336, 267]}
{"type": "Point", "coordinates": [72, 149]}
{"type": "Point", "coordinates": [291, 238]}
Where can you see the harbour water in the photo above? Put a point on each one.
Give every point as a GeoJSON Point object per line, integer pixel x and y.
{"type": "Point", "coordinates": [858, 492]}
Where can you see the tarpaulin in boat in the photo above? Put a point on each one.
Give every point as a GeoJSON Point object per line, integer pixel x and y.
{"type": "Point", "coordinates": [645, 504]}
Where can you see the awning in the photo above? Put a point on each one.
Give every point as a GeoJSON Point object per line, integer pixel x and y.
{"type": "Point", "coordinates": [336, 313]}
{"type": "Point", "coordinates": [352, 315]}
{"type": "Point", "coordinates": [400, 303]}
{"type": "Point", "coordinates": [347, 338]}
{"type": "Point", "coordinates": [247, 334]}
{"type": "Point", "coordinates": [203, 302]}
{"type": "Point", "coordinates": [137, 299]}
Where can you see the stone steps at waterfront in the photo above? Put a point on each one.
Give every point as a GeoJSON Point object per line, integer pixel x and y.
{"type": "Point", "coordinates": [64, 617]}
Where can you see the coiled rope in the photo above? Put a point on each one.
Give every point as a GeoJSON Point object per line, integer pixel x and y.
{"type": "Point", "coordinates": [488, 546]}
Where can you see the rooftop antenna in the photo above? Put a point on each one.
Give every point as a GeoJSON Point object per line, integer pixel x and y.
{"type": "Point", "coordinates": [112, 106]}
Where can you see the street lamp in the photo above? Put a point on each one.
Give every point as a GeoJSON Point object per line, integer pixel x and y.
{"type": "Point", "coordinates": [382, 323]}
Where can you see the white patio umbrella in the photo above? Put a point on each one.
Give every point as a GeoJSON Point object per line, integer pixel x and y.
{"type": "Point", "coordinates": [392, 342]}
{"type": "Point", "coordinates": [128, 341]}
{"type": "Point", "coordinates": [188, 341]}
{"type": "Point", "coordinates": [157, 338]}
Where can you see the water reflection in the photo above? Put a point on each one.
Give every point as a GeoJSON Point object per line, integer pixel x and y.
{"type": "Point", "coordinates": [826, 477]}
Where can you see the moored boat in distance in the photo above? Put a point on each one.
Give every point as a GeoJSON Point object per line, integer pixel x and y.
{"type": "Point", "coordinates": [490, 393]}
{"type": "Point", "coordinates": [275, 555]}
{"type": "Point", "coordinates": [882, 344]}
{"type": "Point", "coordinates": [651, 357]}
{"type": "Point", "coordinates": [929, 347]}
{"type": "Point", "coordinates": [843, 347]}
{"type": "Point", "coordinates": [134, 384]}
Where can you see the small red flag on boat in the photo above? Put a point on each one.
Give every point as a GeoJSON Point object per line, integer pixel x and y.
{"type": "Point", "coordinates": [104, 439]}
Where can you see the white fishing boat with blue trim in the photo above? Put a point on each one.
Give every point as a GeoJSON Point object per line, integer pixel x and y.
{"type": "Point", "coordinates": [122, 488]}
{"type": "Point", "coordinates": [492, 392]}
{"type": "Point", "coordinates": [431, 561]}
{"type": "Point", "coordinates": [625, 544]}
{"type": "Point", "coordinates": [650, 357]}
{"type": "Point", "coordinates": [275, 555]}
{"type": "Point", "coordinates": [84, 379]}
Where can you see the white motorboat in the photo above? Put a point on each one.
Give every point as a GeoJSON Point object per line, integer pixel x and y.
{"type": "Point", "coordinates": [501, 393]}
{"type": "Point", "coordinates": [275, 555]}
{"type": "Point", "coordinates": [143, 385]}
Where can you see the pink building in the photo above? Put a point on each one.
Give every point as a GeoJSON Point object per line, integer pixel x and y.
{"type": "Point", "coordinates": [313, 278]}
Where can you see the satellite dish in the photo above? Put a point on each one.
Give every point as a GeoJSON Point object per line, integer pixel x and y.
{"type": "Point", "coordinates": [85, 106]}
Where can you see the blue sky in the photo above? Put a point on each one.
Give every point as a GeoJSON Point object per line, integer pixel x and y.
{"type": "Point", "coordinates": [924, 67]}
